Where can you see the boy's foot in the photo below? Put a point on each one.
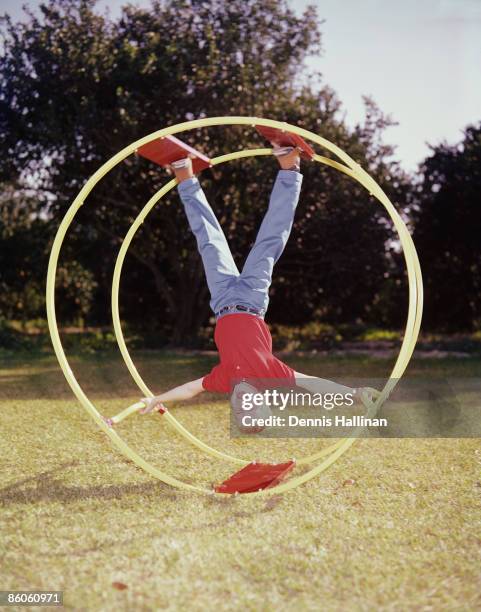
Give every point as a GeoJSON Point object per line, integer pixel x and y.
{"type": "Point", "coordinates": [182, 169]}
{"type": "Point", "coordinates": [288, 157]}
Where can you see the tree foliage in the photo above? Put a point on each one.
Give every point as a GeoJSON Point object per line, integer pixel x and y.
{"type": "Point", "coordinates": [77, 86]}
{"type": "Point", "coordinates": [22, 256]}
{"type": "Point", "coordinates": [448, 233]}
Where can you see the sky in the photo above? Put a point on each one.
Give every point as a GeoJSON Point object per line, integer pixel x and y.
{"type": "Point", "coordinates": [420, 60]}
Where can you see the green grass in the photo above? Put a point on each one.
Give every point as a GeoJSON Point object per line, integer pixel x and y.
{"type": "Point", "coordinates": [76, 516]}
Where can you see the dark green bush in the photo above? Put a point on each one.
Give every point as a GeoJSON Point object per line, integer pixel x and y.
{"type": "Point", "coordinates": [312, 336]}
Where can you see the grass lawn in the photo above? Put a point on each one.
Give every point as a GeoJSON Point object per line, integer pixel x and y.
{"type": "Point", "coordinates": [393, 525]}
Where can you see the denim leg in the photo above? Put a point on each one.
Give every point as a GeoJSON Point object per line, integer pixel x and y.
{"type": "Point", "coordinates": [256, 276]}
{"type": "Point", "coordinates": [220, 269]}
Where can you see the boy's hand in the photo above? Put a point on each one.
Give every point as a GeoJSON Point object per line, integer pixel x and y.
{"type": "Point", "coordinates": [372, 394]}
{"type": "Point", "coordinates": [152, 404]}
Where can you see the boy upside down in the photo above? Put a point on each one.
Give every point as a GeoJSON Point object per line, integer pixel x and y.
{"type": "Point", "coordinates": [239, 300]}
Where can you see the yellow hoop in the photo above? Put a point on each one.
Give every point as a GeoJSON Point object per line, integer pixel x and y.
{"type": "Point", "coordinates": [350, 168]}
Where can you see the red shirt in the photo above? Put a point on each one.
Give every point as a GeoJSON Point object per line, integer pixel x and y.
{"type": "Point", "coordinates": [245, 350]}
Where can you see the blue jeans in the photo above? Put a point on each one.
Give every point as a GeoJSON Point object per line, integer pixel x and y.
{"type": "Point", "coordinates": [250, 287]}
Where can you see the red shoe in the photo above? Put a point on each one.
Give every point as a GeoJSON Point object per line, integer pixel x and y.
{"type": "Point", "coordinates": [168, 149]}
{"type": "Point", "coordinates": [278, 138]}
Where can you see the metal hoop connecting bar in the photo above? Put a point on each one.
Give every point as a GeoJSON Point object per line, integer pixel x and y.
{"type": "Point", "coordinates": [345, 165]}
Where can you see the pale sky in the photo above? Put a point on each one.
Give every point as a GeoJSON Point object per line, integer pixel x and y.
{"type": "Point", "coordinates": [419, 59]}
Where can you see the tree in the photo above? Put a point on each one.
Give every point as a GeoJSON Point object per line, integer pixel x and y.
{"type": "Point", "coordinates": [23, 259]}
{"type": "Point", "coordinates": [24, 239]}
{"type": "Point", "coordinates": [448, 233]}
{"type": "Point", "coordinates": [77, 86]}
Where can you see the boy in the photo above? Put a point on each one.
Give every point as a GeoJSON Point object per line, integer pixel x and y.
{"type": "Point", "coordinates": [239, 300]}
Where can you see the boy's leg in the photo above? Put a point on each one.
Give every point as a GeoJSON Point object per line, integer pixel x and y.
{"type": "Point", "coordinates": [219, 265]}
{"type": "Point", "coordinates": [256, 277]}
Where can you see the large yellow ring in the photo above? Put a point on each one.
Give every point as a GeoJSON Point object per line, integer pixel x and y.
{"type": "Point", "coordinates": [349, 167]}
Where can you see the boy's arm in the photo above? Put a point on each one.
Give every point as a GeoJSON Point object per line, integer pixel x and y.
{"type": "Point", "coordinates": [313, 384]}
{"type": "Point", "coordinates": [177, 394]}
{"type": "Point", "coordinates": [320, 385]}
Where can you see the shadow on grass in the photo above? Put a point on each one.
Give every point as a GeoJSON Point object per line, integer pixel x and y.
{"type": "Point", "coordinates": [44, 487]}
